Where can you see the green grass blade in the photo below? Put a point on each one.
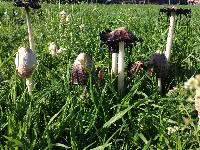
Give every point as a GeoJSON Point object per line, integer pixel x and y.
{"type": "Point", "coordinates": [116, 117]}
{"type": "Point", "coordinates": [102, 147]}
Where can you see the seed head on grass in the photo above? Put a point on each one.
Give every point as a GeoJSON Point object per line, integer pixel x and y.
{"type": "Point", "coordinates": [171, 130]}
{"type": "Point", "coordinates": [64, 17]}
{"type": "Point", "coordinates": [53, 48]}
{"type": "Point", "coordinates": [194, 83]}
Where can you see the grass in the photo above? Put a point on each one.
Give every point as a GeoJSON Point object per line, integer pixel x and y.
{"type": "Point", "coordinates": [61, 116]}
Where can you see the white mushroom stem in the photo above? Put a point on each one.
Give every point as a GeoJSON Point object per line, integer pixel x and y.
{"type": "Point", "coordinates": [121, 66]}
{"type": "Point", "coordinates": [30, 30]}
{"type": "Point", "coordinates": [29, 81]}
{"type": "Point", "coordinates": [159, 85]}
{"type": "Point", "coordinates": [29, 84]}
{"type": "Point", "coordinates": [170, 35]}
{"type": "Point", "coordinates": [169, 43]}
{"type": "Point", "coordinates": [114, 63]}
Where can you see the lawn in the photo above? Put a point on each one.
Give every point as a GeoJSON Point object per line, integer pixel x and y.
{"type": "Point", "coordinates": [59, 115]}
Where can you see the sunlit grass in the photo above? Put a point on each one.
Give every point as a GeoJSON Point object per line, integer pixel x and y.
{"type": "Point", "coordinates": [59, 114]}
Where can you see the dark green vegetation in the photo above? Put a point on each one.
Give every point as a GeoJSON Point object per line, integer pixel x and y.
{"type": "Point", "coordinates": [59, 115]}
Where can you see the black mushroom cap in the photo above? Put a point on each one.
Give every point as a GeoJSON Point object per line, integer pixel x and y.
{"type": "Point", "coordinates": [81, 69]}
{"type": "Point", "coordinates": [178, 11]}
{"type": "Point", "coordinates": [112, 38]}
{"type": "Point", "coordinates": [28, 3]}
{"type": "Point", "coordinates": [158, 65]}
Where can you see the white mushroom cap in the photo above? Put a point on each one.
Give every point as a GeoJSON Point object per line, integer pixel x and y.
{"type": "Point", "coordinates": [25, 62]}
{"type": "Point", "coordinates": [83, 59]}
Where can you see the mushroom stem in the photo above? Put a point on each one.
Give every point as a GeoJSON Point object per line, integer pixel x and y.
{"type": "Point", "coordinates": [29, 81]}
{"type": "Point", "coordinates": [29, 84]}
{"type": "Point", "coordinates": [159, 85]}
{"type": "Point", "coordinates": [170, 35]}
{"type": "Point", "coordinates": [121, 66]}
{"type": "Point", "coordinates": [30, 30]}
{"type": "Point", "coordinates": [114, 63]}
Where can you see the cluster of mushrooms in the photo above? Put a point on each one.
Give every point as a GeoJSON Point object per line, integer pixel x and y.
{"type": "Point", "coordinates": [117, 41]}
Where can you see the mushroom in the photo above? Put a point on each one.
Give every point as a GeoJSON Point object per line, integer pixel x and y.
{"type": "Point", "coordinates": [113, 48]}
{"type": "Point", "coordinates": [197, 103]}
{"type": "Point", "coordinates": [25, 58]}
{"type": "Point", "coordinates": [55, 49]}
{"type": "Point", "coordinates": [197, 97]}
{"type": "Point", "coordinates": [158, 65]}
{"type": "Point", "coordinates": [82, 66]}
{"type": "Point", "coordinates": [172, 12]}
{"type": "Point", "coordinates": [117, 40]}
{"type": "Point", "coordinates": [25, 62]}
{"type": "Point", "coordinates": [30, 3]}
{"type": "Point", "coordinates": [99, 76]}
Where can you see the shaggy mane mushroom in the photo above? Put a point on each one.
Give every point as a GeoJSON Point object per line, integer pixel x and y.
{"type": "Point", "coordinates": [117, 40]}
{"type": "Point", "coordinates": [25, 58]}
{"type": "Point", "coordinates": [159, 66]}
{"type": "Point", "coordinates": [83, 67]}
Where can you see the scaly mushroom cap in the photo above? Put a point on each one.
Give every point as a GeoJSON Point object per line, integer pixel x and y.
{"type": "Point", "coordinates": [122, 34]}
{"type": "Point", "coordinates": [178, 11]}
{"type": "Point", "coordinates": [118, 35]}
{"type": "Point", "coordinates": [25, 3]}
{"type": "Point", "coordinates": [158, 64]}
{"type": "Point", "coordinates": [81, 68]}
{"type": "Point", "coordinates": [112, 38]}
{"type": "Point", "coordinates": [25, 61]}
